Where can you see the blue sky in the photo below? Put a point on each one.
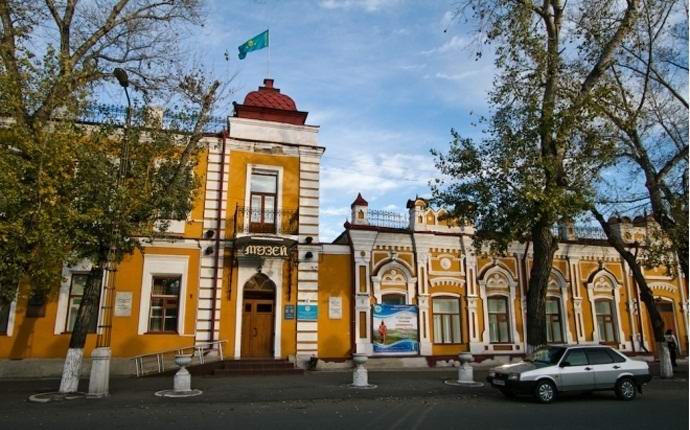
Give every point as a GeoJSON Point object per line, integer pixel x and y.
{"type": "Point", "coordinates": [381, 78]}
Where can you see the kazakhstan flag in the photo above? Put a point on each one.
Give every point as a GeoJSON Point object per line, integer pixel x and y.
{"type": "Point", "coordinates": [257, 42]}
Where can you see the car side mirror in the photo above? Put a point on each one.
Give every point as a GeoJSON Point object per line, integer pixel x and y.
{"type": "Point", "coordinates": [564, 364]}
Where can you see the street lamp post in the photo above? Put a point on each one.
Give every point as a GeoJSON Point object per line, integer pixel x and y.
{"type": "Point", "coordinates": [99, 379]}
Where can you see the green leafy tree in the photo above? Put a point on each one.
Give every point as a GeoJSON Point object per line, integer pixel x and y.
{"type": "Point", "coordinates": [59, 206]}
{"type": "Point", "coordinates": [535, 166]}
{"type": "Point", "coordinates": [42, 81]}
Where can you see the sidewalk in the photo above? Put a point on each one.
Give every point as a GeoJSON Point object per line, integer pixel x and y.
{"type": "Point", "coordinates": [319, 385]}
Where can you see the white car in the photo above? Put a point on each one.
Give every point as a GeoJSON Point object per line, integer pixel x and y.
{"type": "Point", "coordinates": [554, 369]}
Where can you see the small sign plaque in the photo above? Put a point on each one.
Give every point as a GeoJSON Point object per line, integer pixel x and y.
{"type": "Point", "coordinates": [123, 304]}
{"type": "Point", "coordinates": [289, 313]}
{"type": "Point", "coordinates": [307, 312]}
{"type": "Point", "coordinates": [335, 308]}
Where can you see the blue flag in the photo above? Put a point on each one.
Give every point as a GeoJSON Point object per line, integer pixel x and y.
{"type": "Point", "coordinates": [259, 41]}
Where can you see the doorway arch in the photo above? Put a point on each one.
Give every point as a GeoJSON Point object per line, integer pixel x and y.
{"type": "Point", "coordinates": [258, 317]}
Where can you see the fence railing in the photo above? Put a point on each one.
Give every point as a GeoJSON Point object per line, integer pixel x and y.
{"type": "Point", "coordinates": [157, 362]}
{"type": "Point", "coordinates": [583, 232]}
{"type": "Point", "coordinates": [266, 221]}
{"type": "Point", "coordinates": [99, 113]}
{"type": "Point", "coordinates": [389, 219]}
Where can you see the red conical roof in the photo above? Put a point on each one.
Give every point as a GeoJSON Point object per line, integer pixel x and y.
{"type": "Point", "coordinates": [359, 201]}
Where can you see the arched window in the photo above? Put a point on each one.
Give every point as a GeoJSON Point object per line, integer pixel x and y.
{"type": "Point", "coordinates": [446, 314]}
{"type": "Point", "coordinates": [604, 311]}
{"type": "Point", "coordinates": [554, 325]}
{"type": "Point", "coordinates": [499, 320]}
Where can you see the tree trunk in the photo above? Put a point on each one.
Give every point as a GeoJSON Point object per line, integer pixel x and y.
{"type": "Point", "coordinates": [645, 295]}
{"type": "Point", "coordinates": [545, 246]}
{"type": "Point", "coordinates": [88, 309]}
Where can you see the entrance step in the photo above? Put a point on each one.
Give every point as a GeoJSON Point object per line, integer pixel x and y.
{"type": "Point", "coordinates": [256, 366]}
{"type": "Point", "coordinates": [396, 362]}
{"type": "Point", "coordinates": [249, 366]}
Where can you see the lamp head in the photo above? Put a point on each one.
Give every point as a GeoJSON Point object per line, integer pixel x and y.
{"type": "Point", "coordinates": [121, 76]}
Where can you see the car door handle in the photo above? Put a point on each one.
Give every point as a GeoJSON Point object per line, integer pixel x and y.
{"type": "Point", "coordinates": [616, 367]}
{"type": "Point", "coordinates": [588, 368]}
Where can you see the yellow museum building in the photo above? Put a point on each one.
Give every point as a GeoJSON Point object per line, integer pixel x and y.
{"type": "Point", "coordinates": [246, 272]}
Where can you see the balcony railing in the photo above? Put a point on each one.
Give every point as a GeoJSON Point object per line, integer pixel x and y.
{"type": "Point", "coordinates": [388, 219]}
{"type": "Point", "coordinates": [263, 221]}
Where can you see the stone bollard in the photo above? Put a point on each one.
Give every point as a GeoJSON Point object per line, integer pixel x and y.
{"type": "Point", "coordinates": [182, 381]}
{"type": "Point", "coordinates": [360, 377]}
{"type": "Point", "coordinates": [465, 372]}
{"type": "Point", "coordinates": [99, 380]}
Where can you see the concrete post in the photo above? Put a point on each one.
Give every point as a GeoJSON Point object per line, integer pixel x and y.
{"type": "Point", "coordinates": [99, 380]}
{"type": "Point", "coordinates": [360, 378]}
{"type": "Point", "coordinates": [465, 371]}
{"type": "Point", "coordinates": [182, 382]}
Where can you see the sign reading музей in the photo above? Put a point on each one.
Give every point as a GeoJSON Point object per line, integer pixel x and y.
{"type": "Point", "coordinates": [264, 248]}
{"type": "Point", "coordinates": [280, 251]}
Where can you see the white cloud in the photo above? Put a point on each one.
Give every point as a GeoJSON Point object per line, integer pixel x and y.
{"type": "Point", "coordinates": [375, 174]}
{"type": "Point", "coordinates": [335, 211]}
{"type": "Point", "coordinates": [457, 76]}
{"type": "Point", "coordinates": [368, 5]}
{"type": "Point", "coordinates": [454, 44]}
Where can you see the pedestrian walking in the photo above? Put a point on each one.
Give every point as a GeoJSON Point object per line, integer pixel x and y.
{"type": "Point", "coordinates": [672, 343]}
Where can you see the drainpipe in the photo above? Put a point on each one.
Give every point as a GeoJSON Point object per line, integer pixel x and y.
{"type": "Point", "coordinates": [216, 251]}
{"type": "Point", "coordinates": [575, 286]}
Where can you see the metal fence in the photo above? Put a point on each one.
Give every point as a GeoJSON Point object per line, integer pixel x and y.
{"type": "Point", "coordinates": [585, 232]}
{"type": "Point", "coordinates": [389, 219]}
{"type": "Point", "coordinates": [99, 113]}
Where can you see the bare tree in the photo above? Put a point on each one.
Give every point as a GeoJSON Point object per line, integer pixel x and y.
{"type": "Point", "coordinates": [647, 115]}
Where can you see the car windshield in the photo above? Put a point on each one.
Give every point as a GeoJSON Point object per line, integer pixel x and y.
{"type": "Point", "coordinates": [548, 355]}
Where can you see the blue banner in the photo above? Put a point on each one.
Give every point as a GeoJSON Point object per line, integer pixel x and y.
{"type": "Point", "coordinates": [394, 329]}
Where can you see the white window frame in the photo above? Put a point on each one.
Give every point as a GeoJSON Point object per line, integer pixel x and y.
{"type": "Point", "coordinates": [10, 318]}
{"type": "Point", "coordinates": [279, 199]}
{"type": "Point", "coordinates": [162, 265]}
{"type": "Point", "coordinates": [446, 296]}
{"type": "Point", "coordinates": [83, 266]}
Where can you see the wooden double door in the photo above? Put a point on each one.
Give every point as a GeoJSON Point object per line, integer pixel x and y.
{"type": "Point", "coordinates": [257, 327]}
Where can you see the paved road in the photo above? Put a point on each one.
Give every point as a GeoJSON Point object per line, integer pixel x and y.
{"type": "Point", "coordinates": [320, 401]}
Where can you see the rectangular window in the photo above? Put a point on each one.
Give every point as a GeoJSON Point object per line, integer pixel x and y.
{"type": "Point", "coordinates": [554, 329]}
{"type": "Point", "coordinates": [165, 298]}
{"type": "Point", "coordinates": [393, 299]}
{"type": "Point", "coordinates": [446, 320]}
{"type": "Point", "coordinates": [499, 323]}
{"type": "Point", "coordinates": [4, 318]}
{"type": "Point", "coordinates": [77, 287]}
{"type": "Point", "coordinates": [604, 310]}
{"type": "Point", "coordinates": [263, 198]}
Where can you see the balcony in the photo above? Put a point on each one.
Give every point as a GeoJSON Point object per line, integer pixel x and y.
{"type": "Point", "coordinates": [265, 221]}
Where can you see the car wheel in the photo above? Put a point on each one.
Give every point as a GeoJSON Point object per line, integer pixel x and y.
{"type": "Point", "coordinates": [626, 389]}
{"type": "Point", "coordinates": [545, 391]}
{"type": "Point", "coordinates": [509, 394]}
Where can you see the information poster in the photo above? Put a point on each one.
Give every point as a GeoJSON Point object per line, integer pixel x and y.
{"type": "Point", "coordinates": [394, 329]}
